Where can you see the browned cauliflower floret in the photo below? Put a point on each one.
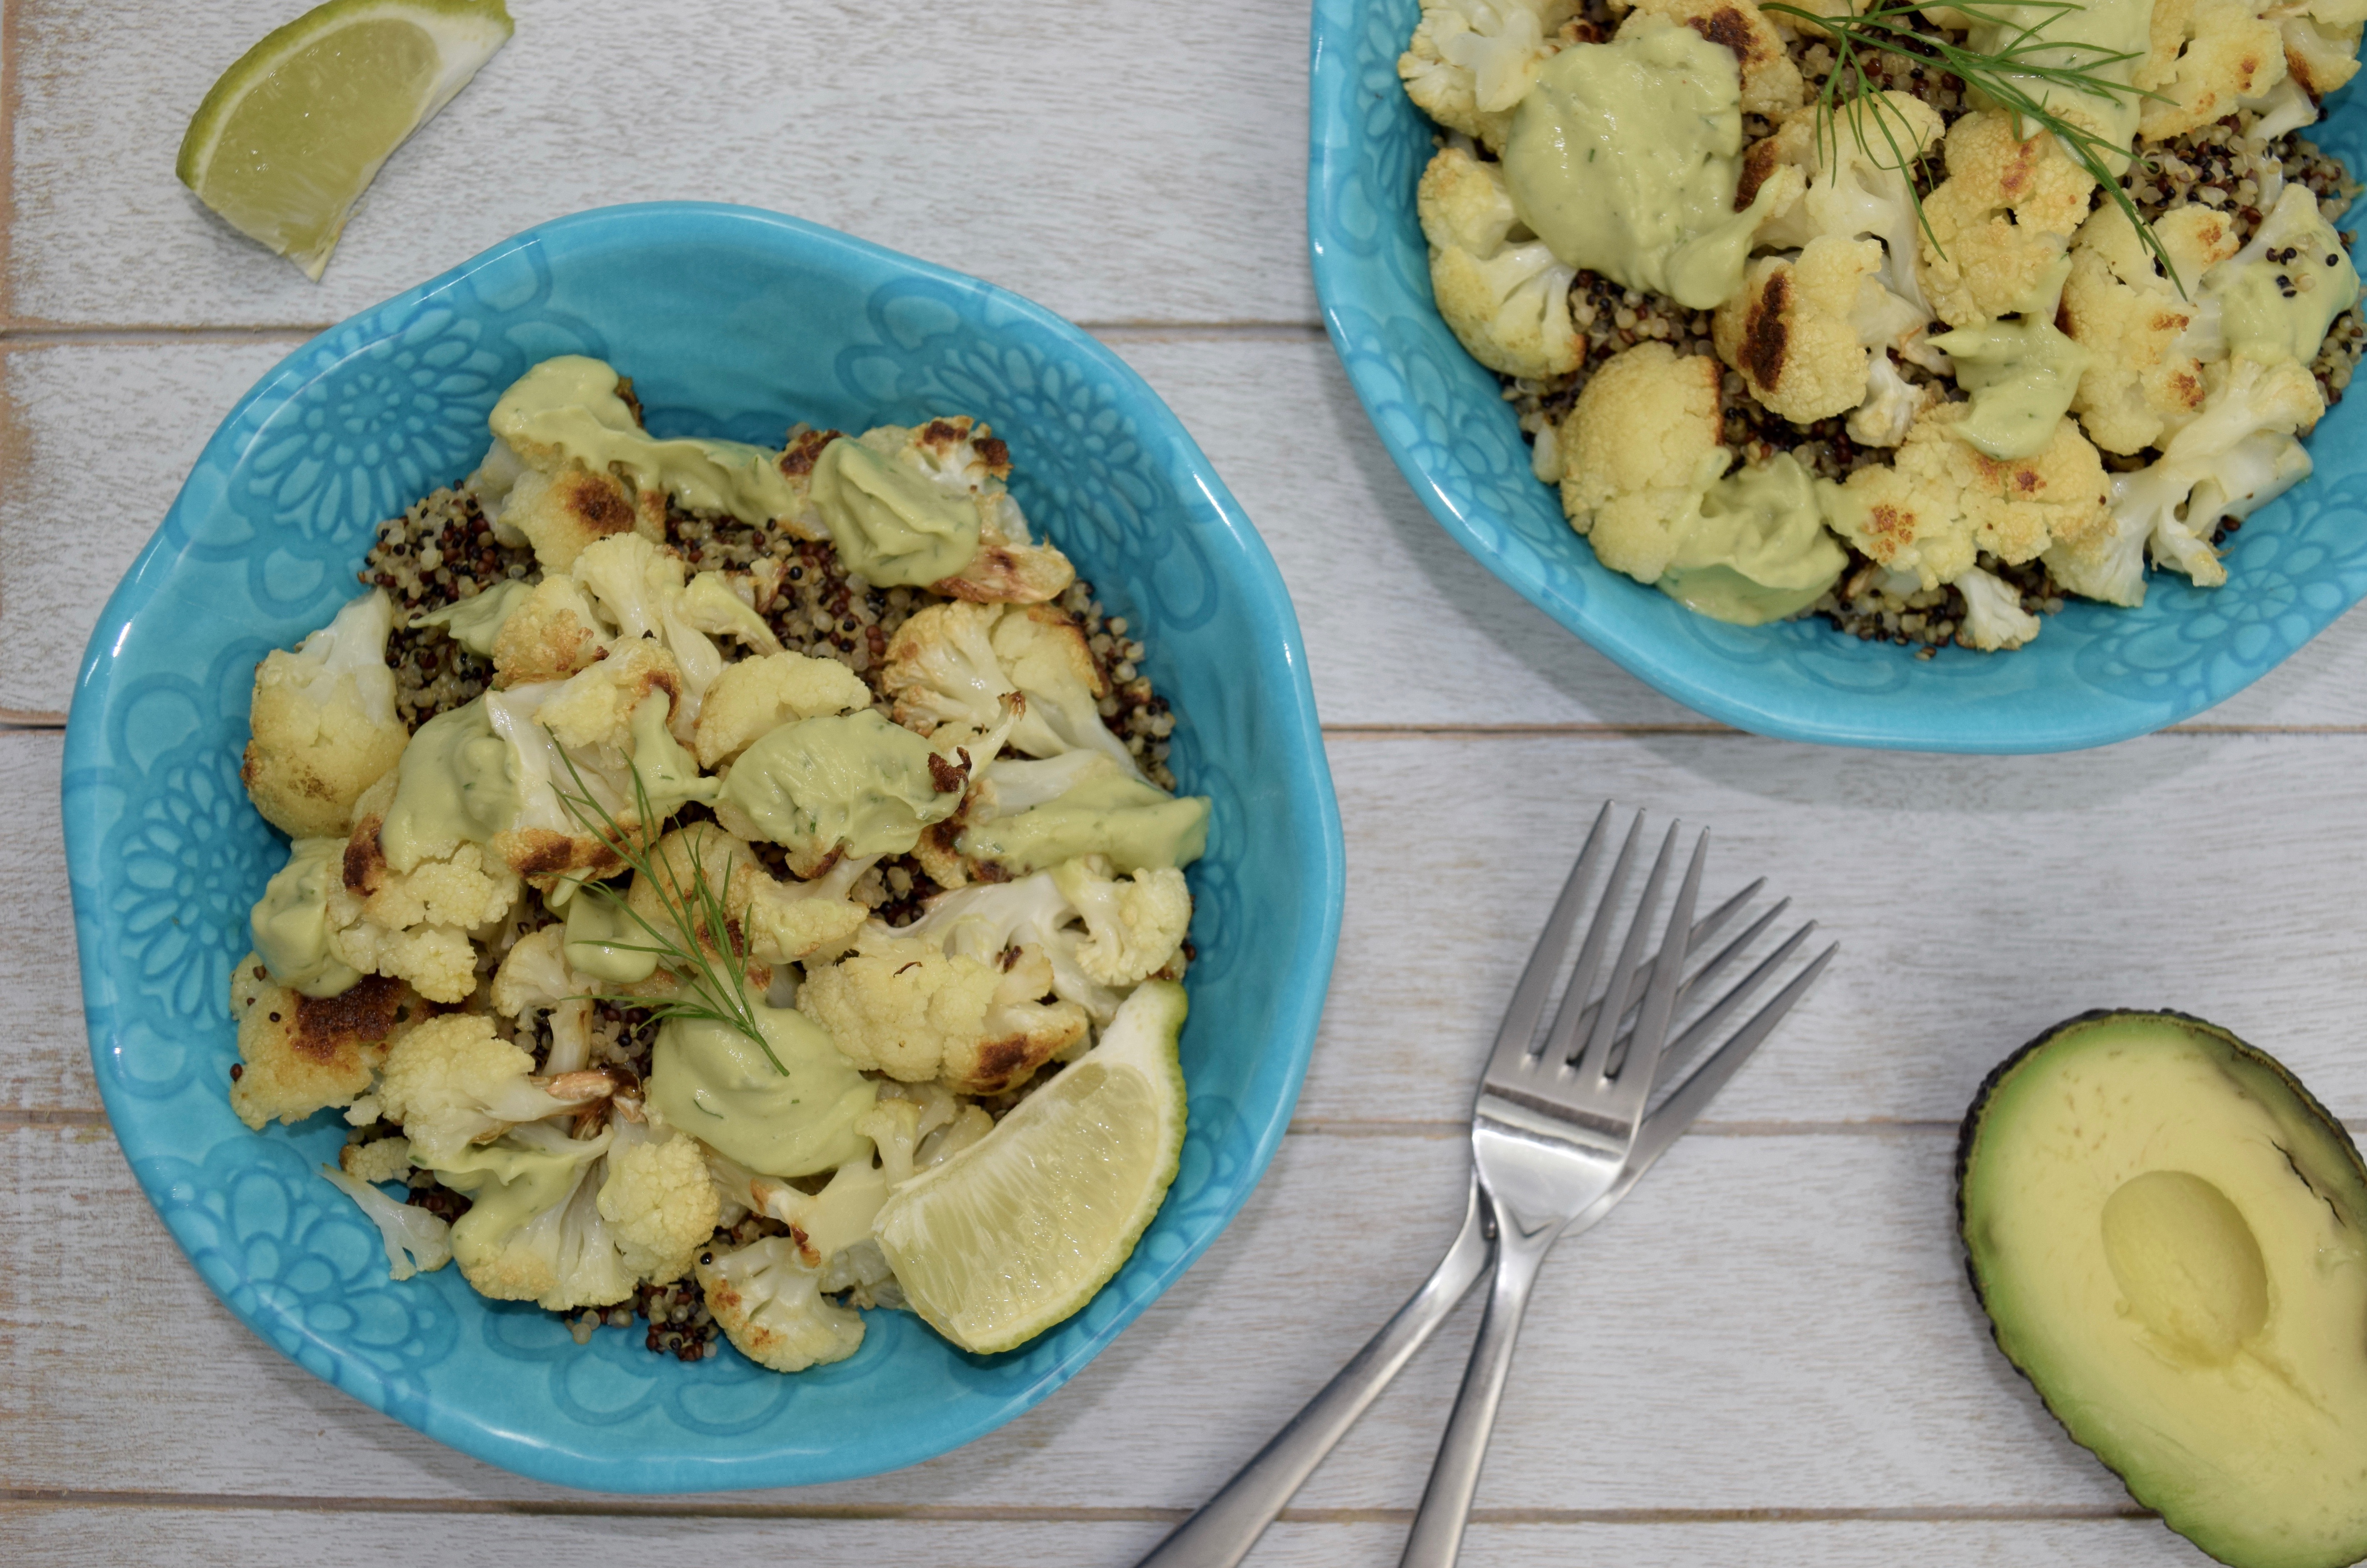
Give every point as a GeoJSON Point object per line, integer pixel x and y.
{"type": "Point", "coordinates": [2000, 219]}
{"type": "Point", "coordinates": [561, 514]}
{"type": "Point", "coordinates": [907, 1008]}
{"type": "Point", "coordinates": [325, 723]}
{"type": "Point", "coordinates": [2322, 45]}
{"type": "Point", "coordinates": [1637, 451]}
{"type": "Point", "coordinates": [552, 635]}
{"type": "Point", "coordinates": [298, 1055]}
{"type": "Point", "coordinates": [1470, 60]}
{"type": "Point", "coordinates": [778, 922]}
{"type": "Point", "coordinates": [2119, 307]}
{"type": "Point", "coordinates": [2206, 57]}
{"type": "Point", "coordinates": [1770, 83]}
{"type": "Point", "coordinates": [758, 694]}
{"type": "Point", "coordinates": [1501, 290]}
{"type": "Point", "coordinates": [415, 925]}
{"type": "Point", "coordinates": [1790, 331]}
{"type": "Point", "coordinates": [1933, 511]}
{"type": "Point", "coordinates": [960, 455]}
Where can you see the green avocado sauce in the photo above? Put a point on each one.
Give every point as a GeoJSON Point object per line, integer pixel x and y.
{"type": "Point", "coordinates": [2022, 374]}
{"type": "Point", "coordinates": [2272, 311]}
{"type": "Point", "coordinates": [709, 1080]}
{"type": "Point", "coordinates": [854, 779]}
{"type": "Point", "coordinates": [1135, 824]}
{"type": "Point", "coordinates": [1756, 549]}
{"type": "Point", "coordinates": [454, 785]}
{"type": "Point", "coordinates": [290, 922]}
{"type": "Point", "coordinates": [570, 403]}
{"type": "Point", "coordinates": [1625, 158]}
{"type": "Point", "coordinates": [605, 942]}
{"type": "Point", "coordinates": [893, 528]}
{"type": "Point", "coordinates": [474, 622]}
{"type": "Point", "coordinates": [2081, 37]}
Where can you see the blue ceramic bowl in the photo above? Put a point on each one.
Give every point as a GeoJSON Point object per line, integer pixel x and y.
{"type": "Point", "coordinates": [734, 322]}
{"type": "Point", "coordinates": [2095, 675]}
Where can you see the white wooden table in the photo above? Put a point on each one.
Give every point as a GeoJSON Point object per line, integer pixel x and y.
{"type": "Point", "coordinates": [1776, 1326]}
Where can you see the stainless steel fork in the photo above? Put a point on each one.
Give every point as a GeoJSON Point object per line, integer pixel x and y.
{"type": "Point", "coordinates": [1532, 1096]}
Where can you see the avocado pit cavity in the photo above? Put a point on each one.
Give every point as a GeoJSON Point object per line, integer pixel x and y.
{"type": "Point", "coordinates": [2189, 1265]}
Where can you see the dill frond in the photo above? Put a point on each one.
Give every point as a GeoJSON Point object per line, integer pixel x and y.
{"type": "Point", "coordinates": [697, 940]}
{"type": "Point", "coordinates": [2024, 53]}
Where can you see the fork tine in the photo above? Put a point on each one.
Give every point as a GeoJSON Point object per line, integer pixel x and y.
{"type": "Point", "coordinates": [1684, 1045]}
{"type": "Point", "coordinates": [1701, 1029]}
{"type": "Point", "coordinates": [1595, 1057]}
{"type": "Point", "coordinates": [1590, 954]}
{"type": "Point", "coordinates": [1708, 926]}
{"type": "Point", "coordinates": [1641, 1061]}
{"type": "Point", "coordinates": [1528, 1004]}
{"type": "Point", "coordinates": [1679, 1111]}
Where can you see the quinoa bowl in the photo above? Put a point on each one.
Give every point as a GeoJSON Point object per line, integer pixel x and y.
{"type": "Point", "coordinates": [736, 322]}
{"type": "Point", "coordinates": [2099, 673]}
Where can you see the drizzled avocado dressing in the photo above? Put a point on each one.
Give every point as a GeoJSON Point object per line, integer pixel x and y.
{"type": "Point", "coordinates": [1625, 158]}
{"type": "Point", "coordinates": [474, 622]}
{"type": "Point", "coordinates": [854, 779]}
{"type": "Point", "coordinates": [2280, 309]}
{"type": "Point", "coordinates": [454, 785]}
{"type": "Point", "coordinates": [602, 940]}
{"type": "Point", "coordinates": [570, 403]}
{"type": "Point", "coordinates": [291, 921]}
{"type": "Point", "coordinates": [709, 1080]}
{"type": "Point", "coordinates": [893, 528]}
{"type": "Point", "coordinates": [1756, 549]}
{"type": "Point", "coordinates": [1135, 824]}
{"type": "Point", "coordinates": [2021, 372]}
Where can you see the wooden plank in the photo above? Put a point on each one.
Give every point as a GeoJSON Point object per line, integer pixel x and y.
{"type": "Point", "coordinates": [1770, 1322]}
{"type": "Point", "coordinates": [1402, 626]}
{"type": "Point", "coordinates": [1977, 901]}
{"type": "Point", "coordinates": [47, 1065]}
{"type": "Point", "coordinates": [1116, 163]}
{"type": "Point", "coordinates": [111, 1536]}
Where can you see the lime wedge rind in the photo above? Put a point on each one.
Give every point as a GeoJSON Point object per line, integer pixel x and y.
{"type": "Point", "coordinates": [988, 1267]}
{"type": "Point", "coordinates": [307, 207]}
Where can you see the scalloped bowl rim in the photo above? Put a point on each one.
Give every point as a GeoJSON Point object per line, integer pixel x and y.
{"type": "Point", "coordinates": [1754, 685]}
{"type": "Point", "coordinates": [1317, 849]}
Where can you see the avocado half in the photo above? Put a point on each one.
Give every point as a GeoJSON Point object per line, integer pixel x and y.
{"type": "Point", "coordinates": [2165, 1229]}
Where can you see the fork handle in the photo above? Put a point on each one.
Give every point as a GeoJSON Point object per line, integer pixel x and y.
{"type": "Point", "coordinates": [1437, 1533]}
{"type": "Point", "coordinates": [1222, 1533]}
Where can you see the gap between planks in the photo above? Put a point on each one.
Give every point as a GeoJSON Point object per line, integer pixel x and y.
{"type": "Point", "coordinates": [25, 1499]}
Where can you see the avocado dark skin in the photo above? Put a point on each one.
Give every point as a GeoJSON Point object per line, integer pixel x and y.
{"type": "Point", "coordinates": [2169, 1234]}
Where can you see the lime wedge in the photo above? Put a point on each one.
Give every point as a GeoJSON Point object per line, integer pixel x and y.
{"type": "Point", "coordinates": [292, 134]}
{"type": "Point", "coordinates": [1020, 1229]}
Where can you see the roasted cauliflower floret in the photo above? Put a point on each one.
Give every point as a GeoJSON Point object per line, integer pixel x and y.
{"type": "Point", "coordinates": [661, 1205]}
{"type": "Point", "coordinates": [415, 925]}
{"type": "Point", "coordinates": [552, 635]}
{"type": "Point", "coordinates": [323, 721]}
{"type": "Point", "coordinates": [1136, 922]}
{"type": "Point", "coordinates": [2000, 219]}
{"type": "Point", "coordinates": [2140, 378]}
{"type": "Point", "coordinates": [1470, 60]}
{"type": "Point", "coordinates": [564, 512]}
{"type": "Point", "coordinates": [452, 1081]}
{"type": "Point", "coordinates": [1994, 617]}
{"type": "Point", "coordinates": [416, 1241]}
{"type": "Point", "coordinates": [758, 694]}
{"type": "Point", "coordinates": [1851, 187]}
{"type": "Point", "coordinates": [1503, 292]}
{"type": "Point", "coordinates": [769, 1300]}
{"type": "Point", "coordinates": [534, 980]}
{"type": "Point", "coordinates": [1794, 333]}
{"type": "Point", "coordinates": [1638, 449]}
{"type": "Point", "coordinates": [2207, 57]}
{"type": "Point", "coordinates": [2237, 454]}
{"type": "Point", "coordinates": [961, 456]}
{"type": "Point", "coordinates": [1770, 83]}
{"type": "Point", "coordinates": [534, 1231]}
{"type": "Point", "coordinates": [906, 1006]}
{"type": "Point", "coordinates": [778, 922]}
{"type": "Point", "coordinates": [1940, 503]}
{"type": "Point", "coordinates": [298, 1055]}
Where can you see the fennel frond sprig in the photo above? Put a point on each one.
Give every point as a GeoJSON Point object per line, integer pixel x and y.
{"type": "Point", "coordinates": [694, 910]}
{"type": "Point", "coordinates": [2003, 74]}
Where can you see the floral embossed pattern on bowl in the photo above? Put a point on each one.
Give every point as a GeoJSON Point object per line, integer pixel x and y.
{"type": "Point", "coordinates": [733, 321]}
{"type": "Point", "coordinates": [2096, 673]}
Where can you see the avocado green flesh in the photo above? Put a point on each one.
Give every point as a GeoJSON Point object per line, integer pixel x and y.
{"type": "Point", "coordinates": [2166, 1231]}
